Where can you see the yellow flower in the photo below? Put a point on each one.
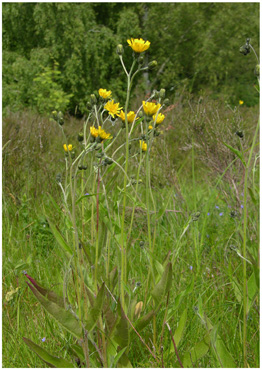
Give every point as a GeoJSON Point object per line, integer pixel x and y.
{"type": "Point", "coordinates": [103, 135]}
{"type": "Point", "coordinates": [70, 147]}
{"type": "Point", "coordinates": [241, 102]}
{"type": "Point", "coordinates": [160, 118]}
{"type": "Point", "coordinates": [138, 45]}
{"type": "Point", "coordinates": [150, 108]}
{"type": "Point", "coordinates": [93, 131]}
{"type": "Point", "coordinates": [130, 116]}
{"type": "Point", "coordinates": [113, 108]}
{"type": "Point", "coordinates": [104, 93]}
{"type": "Point", "coordinates": [143, 145]}
{"type": "Point", "coordinates": [150, 127]}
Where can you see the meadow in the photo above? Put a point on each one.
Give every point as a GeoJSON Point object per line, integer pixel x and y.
{"type": "Point", "coordinates": [197, 203]}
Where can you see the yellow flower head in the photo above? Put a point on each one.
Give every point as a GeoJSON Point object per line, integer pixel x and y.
{"type": "Point", "coordinates": [150, 108]}
{"type": "Point", "coordinates": [143, 145]}
{"type": "Point", "coordinates": [69, 148]}
{"type": "Point", "coordinates": [93, 131]}
{"type": "Point", "coordinates": [104, 93]}
{"type": "Point", "coordinates": [241, 102]}
{"type": "Point", "coordinates": [150, 127]}
{"type": "Point", "coordinates": [113, 108]}
{"type": "Point", "coordinates": [159, 119]}
{"type": "Point", "coordinates": [138, 45]}
{"type": "Point", "coordinates": [130, 116]}
{"type": "Point", "coordinates": [103, 135]}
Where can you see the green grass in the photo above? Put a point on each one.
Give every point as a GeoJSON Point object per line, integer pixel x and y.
{"type": "Point", "coordinates": [207, 270]}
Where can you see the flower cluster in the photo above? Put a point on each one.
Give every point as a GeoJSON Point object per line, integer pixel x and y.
{"type": "Point", "coordinates": [99, 133]}
{"type": "Point", "coordinates": [68, 148]}
{"type": "Point", "coordinates": [113, 108]}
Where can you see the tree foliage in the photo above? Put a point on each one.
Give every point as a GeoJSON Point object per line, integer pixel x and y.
{"type": "Point", "coordinates": [196, 46]}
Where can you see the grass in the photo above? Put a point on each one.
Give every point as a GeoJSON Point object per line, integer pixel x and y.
{"type": "Point", "coordinates": [207, 269]}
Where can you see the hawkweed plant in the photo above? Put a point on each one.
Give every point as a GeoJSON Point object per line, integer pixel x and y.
{"type": "Point", "coordinates": [99, 305]}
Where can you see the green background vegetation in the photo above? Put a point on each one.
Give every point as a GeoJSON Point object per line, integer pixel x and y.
{"type": "Point", "coordinates": [54, 56]}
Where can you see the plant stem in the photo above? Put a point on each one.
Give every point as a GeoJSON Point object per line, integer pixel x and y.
{"type": "Point", "coordinates": [245, 251]}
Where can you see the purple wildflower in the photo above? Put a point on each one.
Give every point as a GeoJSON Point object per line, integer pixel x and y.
{"type": "Point", "coordinates": [221, 213]}
{"type": "Point", "coordinates": [208, 213]}
{"type": "Point", "coordinates": [217, 207]}
{"type": "Point", "coordinates": [242, 206]}
{"type": "Point", "coordinates": [191, 268]}
{"type": "Point", "coordinates": [44, 339]}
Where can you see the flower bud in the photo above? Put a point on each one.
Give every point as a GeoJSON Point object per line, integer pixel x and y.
{"type": "Point", "coordinates": [54, 115]}
{"type": "Point", "coordinates": [162, 93]}
{"type": "Point", "coordinates": [140, 114]}
{"type": "Point", "coordinates": [140, 59]}
{"type": "Point", "coordinates": [240, 134]}
{"type": "Point", "coordinates": [89, 105]}
{"type": "Point", "coordinates": [108, 160]}
{"type": "Point", "coordinates": [245, 49]}
{"type": "Point", "coordinates": [99, 155]}
{"type": "Point", "coordinates": [73, 154]}
{"type": "Point", "coordinates": [120, 49]}
{"type": "Point", "coordinates": [257, 70]}
{"type": "Point", "coordinates": [156, 94]}
{"type": "Point", "coordinates": [93, 99]}
{"type": "Point", "coordinates": [98, 146]}
{"type": "Point", "coordinates": [81, 167]}
{"type": "Point", "coordinates": [166, 102]}
{"type": "Point", "coordinates": [60, 118]}
{"type": "Point", "coordinates": [152, 65]}
{"type": "Point", "coordinates": [141, 244]}
{"type": "Point", "coordinates": [80, 137]}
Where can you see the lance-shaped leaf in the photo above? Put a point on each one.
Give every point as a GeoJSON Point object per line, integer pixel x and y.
{"type": "Point", "coordinates": [224, 357]}
{"type": "Point", "coordinates": [199, 350]}
{"type": "Point", "coordinates": [96, 310]}
{"type": "Point", "coordinates": [52, 361]}
{"type": "Point", "coordinates": [122, 328]}
{"type": "Point", "coordinates": [237, 153]}
{"type": "Point", "coordinates": [181, 326]}
{"type": "Point", "coordinates": [144, 321]}
{"type": "Point", "coordinates": [60, 240]}
{"type": "Point", "coordinates": [164, 285]}
{"type": "Point", "coordinates": [65, 318]}
{"type": "Point", "coordinates": [51, 296]}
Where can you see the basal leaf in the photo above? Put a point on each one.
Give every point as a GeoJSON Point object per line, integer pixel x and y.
{"type": "Point", "coordinates": [60, 240]}
{"type": "Point", "coordinates": [51, 296]}
{"type": "Point", "coordinates": [197, 352]}
{"type": "Point", "coordinates": [96, 310]}
{"type": "Point", "coordinates": [65, 318]}
{"type": "Point", "coordinates": [163, 286]}
{"type": "Point", "coordinates": [144, 321]}
{"type": "Point", "coordinates": [52, 361]}
{"type": "Point", "coordinates": [181, 326]}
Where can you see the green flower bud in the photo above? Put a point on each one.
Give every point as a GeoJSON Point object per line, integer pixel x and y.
{"type": "Point", "coordinates": [195, 216]}
{"type": "Point", "coordinates": [141, 244]}
{"type": "Point", "coordinates": [99, 155]}
{"type": "Point", "coordinates": [80, 137]}
{"type": "Point", "coordinates": [152, 65]}
{"type": "Point", "coordinates": [156, 94]}
{"type": "Point", "coordinates": [140, 59]}
{"type": "Point", "coordinates": [120, 49]}
{"type": "Point", "coordinates": [98, 146]}
{"type": "Point", "coordinates": [93, 99]}
{"type": "Point", "coordinates": [166, 102]}
{"type": "Point", "coordinates": [240, 134]}
{"type": "Point", "coordinates": [257, 70]}
{"type": "Point", "coordinates": [73, 154]}
{"type": "Point", "coordinates": [162, 93]}
{"type": "Point", "coordinates": [60, 118]}
{"type": "Point", "coordinates": [140, 114]}
{"type": "Point", "coordinates": [108, 160]}
{"type": "Point", "coordinates": [89, 105]}
{"type": "Point", "coordinates": [81, 167]}
{"type": "Point", "coordinates": [54, 115]}
{"type": "Point", "coordinates": [245, 49]}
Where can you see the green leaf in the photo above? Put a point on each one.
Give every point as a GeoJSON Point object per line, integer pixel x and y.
{"type": "Point", "coordinates": [118, 356]}
{"type": "Point", "coordinates": [160, 213]}
{"type": "Point", "coordinates": [163, 286]}
{"type": "Point", "coordinates": [237, 153]}
{"type": "Point", "coordinates": [96, 310]}
{"type": "Point", "coordinates": [65, 318]}
{"type": "Point", "coordinates": [51, 296]}
{"type": "Point", "coordinates": [86, 196]}
{"type": "Point", "coordinates": [122, 328]}
{"type": "Point", "coordinates": [144, 321]}
{"type": "Point", "coordinates": [54, 203]}
{"type": "Point", "coordinates": [252, 290]}
{"type": "Point", "coordinates": [181, 326]}
{"type": "Point", "coordinates": [46, 357]}
{"type": "Point", "coordinates": [197, 352]}
{"type": "Point", "coordinates": [224, 357]}
{"type": "Point", "coordinates": [253, 196]}
{"type": "Point", "coordinates": [59, 238]}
